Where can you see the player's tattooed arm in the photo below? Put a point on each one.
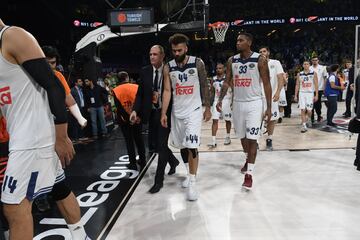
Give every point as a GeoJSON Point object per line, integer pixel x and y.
{"type": "Point", "coordinates": [205, 92]}
{"type": "Point", "coordinates": [228, 80]}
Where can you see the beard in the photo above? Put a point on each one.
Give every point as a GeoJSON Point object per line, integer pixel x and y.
{"type": "Point", "coordinates": [180, 59]}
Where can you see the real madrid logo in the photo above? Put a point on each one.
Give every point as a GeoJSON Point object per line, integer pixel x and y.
{"type": "Point", "coordinates": [252, 65]}
{"type": "Point", "coordinates": [191, 71]}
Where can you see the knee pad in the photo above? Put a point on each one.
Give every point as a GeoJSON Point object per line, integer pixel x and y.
{"type": "Point", "coordinates": [184, 155]}
{"type": "Point", "coordinates": [194, 152]}
{"type": "Point", "coordinates": [60, 191]}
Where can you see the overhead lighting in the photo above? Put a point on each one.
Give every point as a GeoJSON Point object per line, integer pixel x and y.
{"type": "Point", "coordinates": [296, 30]}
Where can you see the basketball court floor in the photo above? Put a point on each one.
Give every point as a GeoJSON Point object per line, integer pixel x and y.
{"type": "Point", "coordinates": [307, 188]}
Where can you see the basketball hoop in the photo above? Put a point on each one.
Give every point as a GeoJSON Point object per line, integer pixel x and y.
{"type": "Point", "coordinates": [219, 29]}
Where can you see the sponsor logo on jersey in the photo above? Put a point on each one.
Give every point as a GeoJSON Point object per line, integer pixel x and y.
{"type": "Point", "coordinates": [191, 71]}
{"type": "Point", "coordinates": [242, 82]}
{"type": "Point", "coordinates": [306, 85]}
{"type": "Point", "coordinates": [184, 90]}
{"type": "Point", "coordinates": [5, 96]}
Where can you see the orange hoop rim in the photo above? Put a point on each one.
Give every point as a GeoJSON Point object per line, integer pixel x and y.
{"type": "Point", "coordinates": [218, 25]}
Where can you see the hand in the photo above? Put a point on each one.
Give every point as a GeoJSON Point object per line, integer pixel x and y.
{"type": "Point", "coordinates": [163, 120]}
{"type": "Point", "coordinates": [267, 116]}
{"type": "Point", "coordinates": [65, 150]}
{"type": "Point", "coordinates": [352, 87]}
{"type": "Point", "coordinates": [133, 117]}
{"type": "Point", "coordinates": [342, 87]}
{"type": "Point", "coordinates": [295, 99]}
{"type": "Point", "coordinates": [276, 97]}
{"type": "Point", "coordinates": [207, 114]}
{"type": "Point", "coordinates": [316, 98]}
{"type": "Point", "coordinates": [219, 106]}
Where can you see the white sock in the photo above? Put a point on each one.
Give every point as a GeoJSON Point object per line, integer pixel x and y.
{"type": "Point", "coordinates": [214, 139]}
{"type": "Point", "coordinates": [192, 177]}
{"type": "Point", "coordinates": [77, 231]}
{"type": "Point", "coordinates": [7, 235]}
{"type": "Point", "coordinates": [187, 167]}
{"type": "Point", "coordinates": [269, 137]}
{"type": "Point", "coordinates": [75, 111]}
{"type": "Point", "coordinates": [281, 114]}
{"type": "Point", "coordinates": [250, 168]}
{"type": "Point", "coordinates": [228, 135]}
{"type": "Point", "coordinates": [304, 124]}
{"type": "Point", "coordinates": [246, 156]}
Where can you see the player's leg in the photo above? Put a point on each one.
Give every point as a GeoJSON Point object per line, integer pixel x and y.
{"type": "Point", "coordinates": [254, 114]}
{"type": "Point", "coordinates": [214, 129]}
{"type": "Point", "coordinates": [228, 129]}
{"type": "Point", "coordinates": [20, 220]}
{"type": "Point", "coordinates": [271, 125]}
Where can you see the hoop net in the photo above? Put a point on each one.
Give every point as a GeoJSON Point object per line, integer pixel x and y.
{"type": "Point", "coordinates": [219, 29]}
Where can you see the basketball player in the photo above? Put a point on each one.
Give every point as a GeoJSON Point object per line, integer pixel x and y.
{"type": "Point", "coordinates": [247, 71]}
{"type": "Point", "coordinates": [322, 77]}
{"type": "Point", "coordinates": [186, 76]}
{"type": "Point", "coordinates": [218, 81]}
{"type": "Point", "coordinates": [52, 57]}
{"type": "Point", "coordinates": [31, 98]}
{"type": "Point", "coordinates": [277, 83]}
{"type": "Point", "coordinates": [306, 85]}
{"type": "Point", "coordinates": [282, 98]}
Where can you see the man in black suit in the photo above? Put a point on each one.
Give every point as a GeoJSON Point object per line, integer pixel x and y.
{"type": "Point", "coordinates": [147, 107]}
{"type": "Point", "coordinates": [78, 94]}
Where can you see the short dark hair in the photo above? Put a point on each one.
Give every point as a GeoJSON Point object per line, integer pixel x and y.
{"type": "Point", "coordinates": [334, 67]}
{"type": "Point", "coordinates": [306, 60]}
{"type": "Point", "coordinates": [266, 47]}
{"type": "Point", "coordinates": [51, 52]}
{"type": "Point", "coordinates": [248, 35]}
{"type": "Point", "coordinates": [178, 38]}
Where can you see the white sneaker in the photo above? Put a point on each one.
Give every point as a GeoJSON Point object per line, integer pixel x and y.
{"type": "Point", "coordinates": [227, 141]}
{"type": "Point", "coordinates": [309, 124]}
{"type": "Point", "coordinates": [212, 145]}
{"type": "Point", "coordinates": [186, 182]}
{"type": "Point", "coordinates": [303, 129]}
{"type": "Point", "coordinates": [192, 194]}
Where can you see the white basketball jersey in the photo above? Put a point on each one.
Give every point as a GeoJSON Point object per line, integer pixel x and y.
{"type": "Point", "coordinates": [217, 84]}
{"type": "Point", "coordinates": [307, 82]}
{"type": "Point", "coordinates": [186, 88]}
{"type": "Point", "coordinates": [275, 69]}
{"type": "Point", "coordinates": [246, 78]}
{"type": "Point", "coordinates": [25, 106]}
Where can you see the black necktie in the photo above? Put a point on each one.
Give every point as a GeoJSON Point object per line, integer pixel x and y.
{"type": "Point", "coordinates": [156, 81]}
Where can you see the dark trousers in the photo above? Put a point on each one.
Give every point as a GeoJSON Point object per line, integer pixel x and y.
{"type": "Point", "coordinates": [332, 108]}
{"type": "Point", "coordinates": [317, 106]}
{"type": "Point", "coordinates": [76, 131]}
{"type": "Point", "coordinates": [154, 124]}
{"type": "Point", "coordinates": [287, 108]}
{"type": "Point", "coordinates": [132, 133]}
{"type": "Point", "coordinates": [161, 145]}
{"type": "Point", "coordinates": [349, 96]}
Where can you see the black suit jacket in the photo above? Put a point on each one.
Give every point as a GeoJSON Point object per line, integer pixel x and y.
{"type": "Point", "coordinates": [76, 96]}
{"type": "Point", "coordinates": [143, 103]}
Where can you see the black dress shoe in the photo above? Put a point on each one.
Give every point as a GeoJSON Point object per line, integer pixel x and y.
{"type": "Point", "coordinates": [156, 188]}
{"type": "Point", "coordinates": [132, 166]}
{"type": "Point", "coordinates": [356, 162]}
{"type": "Point", "coordinates": [173, 168]}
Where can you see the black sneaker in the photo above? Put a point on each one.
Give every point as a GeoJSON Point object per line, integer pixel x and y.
{"type": "Point", "coordinates": [269, 146]}
{"type": "Point", "coordinates": [356, 162]}
{"type": "Point", "coordinates": [280, 120]}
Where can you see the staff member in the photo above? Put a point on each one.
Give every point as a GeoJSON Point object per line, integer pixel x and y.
{"type": "Point", "coordinates": [148, 108]}
{"type": "Point", "coordinates": [332, 91]}
{"type": "Point", "coordinates": [124, 99]}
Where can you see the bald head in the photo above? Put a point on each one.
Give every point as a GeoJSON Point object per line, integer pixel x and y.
{"type": "Point", "coordinates": [156, 55]}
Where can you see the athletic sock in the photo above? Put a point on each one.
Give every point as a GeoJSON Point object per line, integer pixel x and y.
{"type": "Point", "coordinates": [269, 137]}
{"type": "Point", "coordinates": [228, 135]}
{"type": "Point", "coordinates": [187, 167]}
{"type": "Point", "coordinates": [192, 177]}
{"type": "Point", "coordinates": [77, 231]}
{"type": "Point", "coordinates": [214, 140]}
{"type": "Point", "coordinates": [75, 111]}
{"type": "Point", "coordinates": [281, 114]}
{"type": "Point", "coordinates": [250, 168]}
